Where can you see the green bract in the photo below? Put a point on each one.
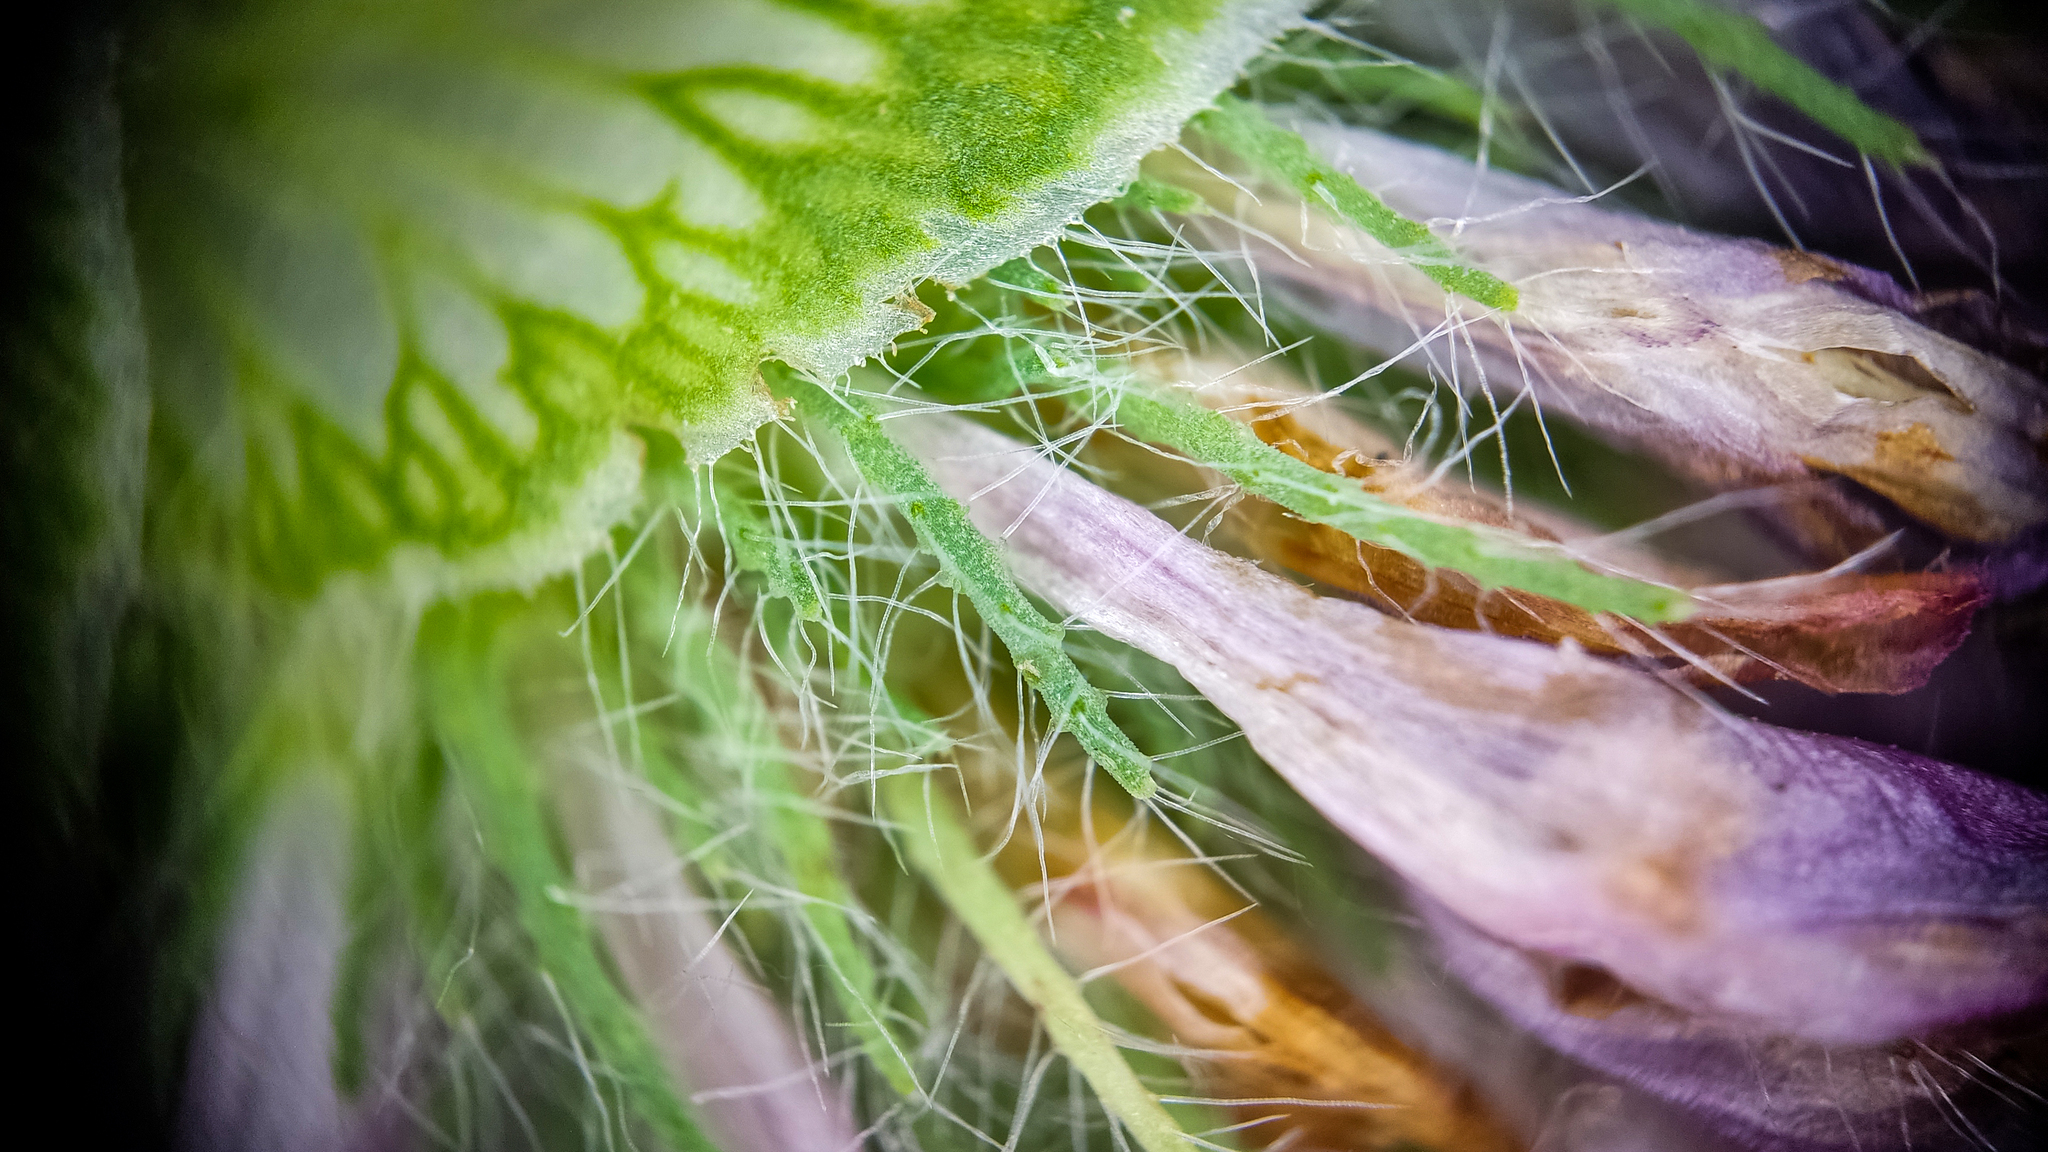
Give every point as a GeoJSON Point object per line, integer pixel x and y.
{"type": "Point", "coordinates": [414, 268]}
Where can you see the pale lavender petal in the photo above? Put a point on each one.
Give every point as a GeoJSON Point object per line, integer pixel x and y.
{"type": "Point", "coordinates": [259, 1071]}
{"type": "Point", "coordinates": [1765, 1090]}
{"type": "Point", "coordinates": [1561, 1104]}
{"type": "Point", "coordinates": [1675, 121]}
{"type": "Point", "coordinates": [729, 1044]}
{"type": "Point", "coordinates": [1810, 885]}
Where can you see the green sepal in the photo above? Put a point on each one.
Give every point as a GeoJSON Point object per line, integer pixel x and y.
{"type": "Point", "coordinates": [1285, 156]}
{"type": "Point", "coordinates": [464, 653]}
{"type": "Point", "coordinates": [935, 839]}
{"type": "Point", "coordinates": [708, 674]}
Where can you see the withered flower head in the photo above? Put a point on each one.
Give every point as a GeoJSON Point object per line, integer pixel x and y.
{"type": "Point", "coordinates": [1808, 885]}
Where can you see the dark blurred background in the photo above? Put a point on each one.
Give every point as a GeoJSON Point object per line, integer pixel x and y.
{"type": "Point", "coordinates": [88, 813]}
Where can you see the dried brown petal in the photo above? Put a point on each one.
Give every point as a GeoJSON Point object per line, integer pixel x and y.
{"type": "Point", "coordinates": [1311, 1065]}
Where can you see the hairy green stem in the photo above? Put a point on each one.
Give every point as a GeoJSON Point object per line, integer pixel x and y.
{"type": "Point", "coordinates": [463, 657]}
{"type": "Point", "coordinates": [1741, 44]}
{"type": "Point", "coordinates": [940, 847]}
{"type": "Point", "coordinates": [717, 684]}
{"type": "Point", "coordinates": [758, 548]}
{"type": "Point", "coordinates": [971, 562]}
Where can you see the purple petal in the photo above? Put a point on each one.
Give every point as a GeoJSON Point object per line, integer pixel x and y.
{"type": "Point", "coordinates": [1767, 1091]}
{"type": "Point", "coordinates": [259, 1073]}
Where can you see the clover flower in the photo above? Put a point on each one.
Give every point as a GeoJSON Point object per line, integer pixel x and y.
{"type": "Point", "coordinates": [579, 562]}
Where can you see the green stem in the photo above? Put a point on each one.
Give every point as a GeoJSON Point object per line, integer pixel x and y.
{"type": "Point", "coordinates": [758, 548]}
{"type": "Point", "coordinates": [940, 847]}
{"type": "Point", "coordinates": [1742, 44]}
{"type": "Point", "coordinates": [717, 683]}
{"type": "Point", "coordinates": [463, 657]}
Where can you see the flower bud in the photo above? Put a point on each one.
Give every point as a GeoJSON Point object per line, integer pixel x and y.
{"type": "Point", "coordinates": [1731, 360]}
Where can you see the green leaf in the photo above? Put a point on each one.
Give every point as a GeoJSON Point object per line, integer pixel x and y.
{"type": "Point", "coordinates": [411, 269]}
